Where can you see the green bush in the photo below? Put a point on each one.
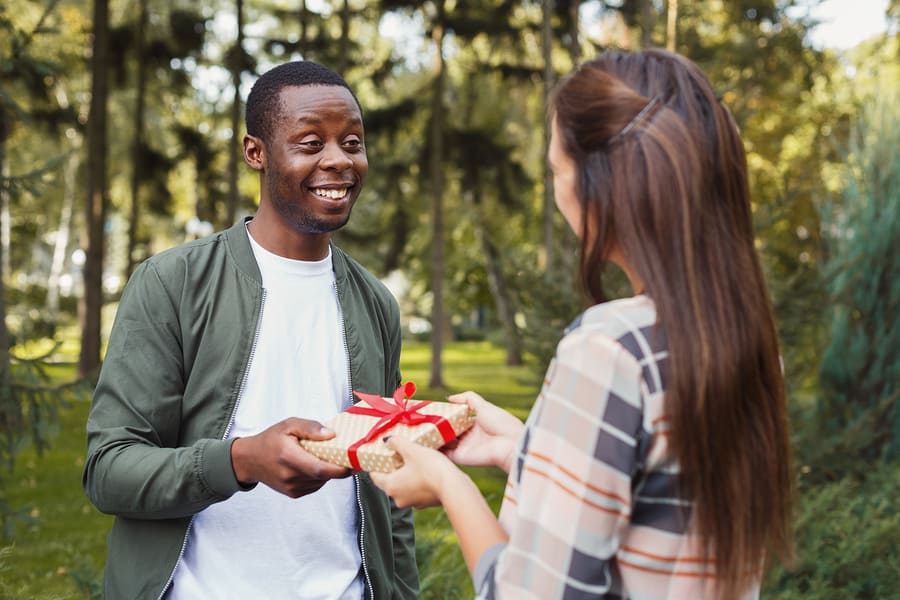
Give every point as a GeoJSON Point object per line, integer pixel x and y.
{"type": "Point", "coordinates": [860, 371]}
{"type": "Point", "coordinates": [847, 533]}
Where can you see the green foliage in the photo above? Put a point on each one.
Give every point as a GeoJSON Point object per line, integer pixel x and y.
{"type": "Point", "coordinates": [442, 572]}
{"type": "Point", "coordinates": [847, 534]}
{"type": "Point", "coordinates": [29, 415]}
{"type": "Point", "coordinates": [59, 552]}
{"type": "Point", "coordinates": [551, 302]}
{"type": "Point", "coordinates": [860, 369]}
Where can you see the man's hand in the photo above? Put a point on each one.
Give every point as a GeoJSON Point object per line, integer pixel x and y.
{"type": "Point", "coordinates": [276, 458]}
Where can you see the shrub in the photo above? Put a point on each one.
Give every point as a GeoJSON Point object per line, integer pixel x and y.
{"type": "Point", "coordinates": [847, 534]}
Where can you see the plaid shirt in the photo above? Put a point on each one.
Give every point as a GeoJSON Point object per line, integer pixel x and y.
{"type": "Point", "coordinates": [592, 506]}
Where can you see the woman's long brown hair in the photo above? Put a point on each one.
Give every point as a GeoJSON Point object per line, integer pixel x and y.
{"type": "Point", "coordinates": [661, 174]}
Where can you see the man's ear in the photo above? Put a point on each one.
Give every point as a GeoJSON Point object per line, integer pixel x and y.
{"type": "Point", "coordinates": [254, 152]}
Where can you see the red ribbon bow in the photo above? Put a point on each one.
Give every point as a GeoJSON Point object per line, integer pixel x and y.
{"type": "Point", "coordinates": [400, 412]}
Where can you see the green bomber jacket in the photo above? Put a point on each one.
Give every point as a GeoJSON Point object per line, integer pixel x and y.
{"type": "Point", "coordinates": [178, 352]}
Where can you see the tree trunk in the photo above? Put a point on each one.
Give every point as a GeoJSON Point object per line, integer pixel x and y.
{"type": "Point", "coordinates": [497, 284]}
{"type": "Point", "coordinates": [237, 68]}
{"type": "Point", "coordinates": [138, 142]}
{"type": "Point", "coordinates": [344, 42]}
{"type": "Point", "coordinates": [5, 396]}
{"type": "Point", "coordinates": [574, 37]}
{"type": "Point", "coordinates": [672, 20]}
{"type": "Point", "coordinates": [5, 219]}
{"type": "Point", "coordinates": [549, 207]}
{"type": "Point", "coordinates": [61, 241]}
{"type": "Point", "coordinates": [500, 292]}
{"type": "Point", "coordinates": [646, 23]}
{"type": "Point", "coordinates": [301, 43]}
{"type": "Point", "coordinates": [91, 302]}
{"type": "Point", "coordinates": [437, 217]}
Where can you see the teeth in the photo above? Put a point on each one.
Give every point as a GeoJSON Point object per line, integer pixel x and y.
{"type": "Point", "coordinates": [333, 194]}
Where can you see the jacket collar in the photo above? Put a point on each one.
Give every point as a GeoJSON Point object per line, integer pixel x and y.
{"type": "Point", "coordinates": [238, 243]}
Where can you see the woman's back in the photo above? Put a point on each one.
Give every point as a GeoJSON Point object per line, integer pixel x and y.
{"type": "Point", "coordinates": [593, 505]}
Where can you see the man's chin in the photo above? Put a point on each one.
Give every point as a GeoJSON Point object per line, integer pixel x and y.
{"type": "Point", "coordinates": [319, 226]}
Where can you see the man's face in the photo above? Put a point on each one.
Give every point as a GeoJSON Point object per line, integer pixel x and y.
{"type": "Point", "coordinates": [315, 161]}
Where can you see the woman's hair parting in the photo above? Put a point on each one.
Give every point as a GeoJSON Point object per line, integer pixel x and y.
{"type": "Point", "coordinates": [661, 175]}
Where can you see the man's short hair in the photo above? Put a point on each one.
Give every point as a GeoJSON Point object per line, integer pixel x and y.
{"type": "Point", "coordinates": [264, 105]}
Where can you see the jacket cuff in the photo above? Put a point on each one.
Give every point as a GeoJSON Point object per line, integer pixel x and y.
{"type": "Point", "coordinates": [216, 469]}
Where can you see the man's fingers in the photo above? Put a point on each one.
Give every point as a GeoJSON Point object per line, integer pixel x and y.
{"type": "Point", "coordinates": [316, 468]}
{"type": "Point", "coordinates": [306, 429]}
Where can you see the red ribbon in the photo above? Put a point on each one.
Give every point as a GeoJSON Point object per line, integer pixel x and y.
{"type": "Point", "coordinates": [401, 412]}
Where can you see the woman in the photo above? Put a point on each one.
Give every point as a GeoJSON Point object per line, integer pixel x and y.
{"type": "Point", "coordinates": [656, 461]}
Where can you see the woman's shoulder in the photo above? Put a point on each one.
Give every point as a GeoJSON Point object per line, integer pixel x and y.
{"type": "Point", "coordinates": [631, 322]}
{"type": "Point", "coordinates": [627, 328]}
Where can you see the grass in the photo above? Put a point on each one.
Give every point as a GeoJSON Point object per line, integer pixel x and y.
{"type": "Point", "coordinates": [61, 552]}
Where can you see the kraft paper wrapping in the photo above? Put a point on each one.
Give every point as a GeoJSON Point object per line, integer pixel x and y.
{"type": "Point", "coordinates": [375, 455]}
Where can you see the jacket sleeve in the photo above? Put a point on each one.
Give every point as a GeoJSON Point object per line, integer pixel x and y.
{"type": "Point", "coordinates": [133, 466]}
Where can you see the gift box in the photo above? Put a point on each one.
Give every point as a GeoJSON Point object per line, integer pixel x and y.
{"type": "Point", "coordinates": [360, 430]}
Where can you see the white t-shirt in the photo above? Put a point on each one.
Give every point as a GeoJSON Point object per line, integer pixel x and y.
{"type": "Point", "coordinates": [260, 543]}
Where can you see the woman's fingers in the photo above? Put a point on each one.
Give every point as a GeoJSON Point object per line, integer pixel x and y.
{"type": "Point", "coordinates": [418, 481]}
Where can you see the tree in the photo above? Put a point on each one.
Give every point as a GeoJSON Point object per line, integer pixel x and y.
{"type": "Point", "coordinates": [160, 49]}
{"type": "Point", "coordinates": [97, 200]}
{"type": "Point", "coordinates": [860, 371]}
{"type": "Point", "coordinates": [28, 399]}
{"type": "Point", "coordinates": [549, 206]}
{"type": "Point", "coordinates": [238, 61]}
{"type": "Point", "coordinates": [437, 191]}
{"type": "Point", "coordinates": [137, 144]}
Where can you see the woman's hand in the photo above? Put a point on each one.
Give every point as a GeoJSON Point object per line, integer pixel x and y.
{"type": "Point", "coordinates": [491, 440]}
{"type": "Point", "coordinates": [428, 478]}
{"type": "Point", "coordinates": [424, 476]}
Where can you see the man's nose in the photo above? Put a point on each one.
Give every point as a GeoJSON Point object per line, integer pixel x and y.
{"type": "Point", "coordinates": [334, 157]}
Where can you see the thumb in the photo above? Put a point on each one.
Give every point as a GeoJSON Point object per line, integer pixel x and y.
{"type": "Point", "coordinates": [469, 397]}
{"type": "Point", "coordinates": [307, 429]}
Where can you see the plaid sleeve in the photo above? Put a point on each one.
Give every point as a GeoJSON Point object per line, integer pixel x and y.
{"type": "Point", "coordinates": [573, 479]}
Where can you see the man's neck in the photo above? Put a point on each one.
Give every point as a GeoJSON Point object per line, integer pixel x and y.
{"type": "Point", "coordinates": [289, 244]}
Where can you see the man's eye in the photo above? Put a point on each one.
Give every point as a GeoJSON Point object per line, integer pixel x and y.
{"type": "Point", "coordinates": [311, 143]}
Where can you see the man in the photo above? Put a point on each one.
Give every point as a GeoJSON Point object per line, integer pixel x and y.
{"type": "Point", "coordinates": [228, 350]}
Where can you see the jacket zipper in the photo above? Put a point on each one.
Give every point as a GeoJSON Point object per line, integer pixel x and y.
{"type": "Point", "coordinates": [362, 514]}
{"type": "Point", "coordinates": [240, 395]}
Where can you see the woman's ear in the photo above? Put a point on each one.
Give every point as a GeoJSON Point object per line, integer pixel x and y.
{"type": "Point", "coordinates": [254, 152]}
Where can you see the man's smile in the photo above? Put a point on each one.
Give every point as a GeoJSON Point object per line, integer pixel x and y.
{"type": "Point", "coordinates": [331, 193]}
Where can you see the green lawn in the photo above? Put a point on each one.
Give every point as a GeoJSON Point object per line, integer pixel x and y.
{"type": "Point", "coordinates": [66, 544]}
{"type": "Point", "coordinates": [61, 555]}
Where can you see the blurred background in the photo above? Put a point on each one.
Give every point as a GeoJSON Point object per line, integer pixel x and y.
{"type": "Point", "coordinates": [120, 130]}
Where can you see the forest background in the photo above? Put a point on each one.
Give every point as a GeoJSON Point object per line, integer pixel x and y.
{"type": "Point", "coordinates": [120, 128]}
